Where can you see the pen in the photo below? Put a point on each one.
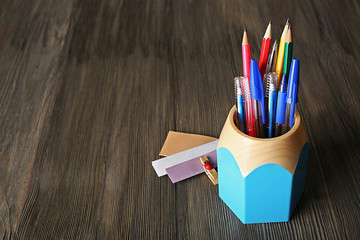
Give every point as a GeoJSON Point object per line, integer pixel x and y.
{"type": "Point", "coordinates": [285, 127]}
{"type": "Point", "coordinates": [291, 94]}
{"type": "Point", "coordinates": [292, 110]}
{"type": "Point", "coordinates": [270, 67]}
{"type": "Point", "coordinates": [271, 61]}
{"type": "Point", "coordinates": [239, 105]}
{"type": "Point", "coordinates": [286, 68]}
{"type": "Point", "coordinates": [245, 87]}
{"type": "Point", "coordinates": [257, 94]}
{"type": "Point", "coordinates": [280, 57]}
{"type": "Point", "coordinates": [271, 93]}
{"type": "Point", "coordinates": [246, 56]}
{"type": "Point", "coordinates": [265, 46]}
{"type": "Point", "coordinates": [280, 108]}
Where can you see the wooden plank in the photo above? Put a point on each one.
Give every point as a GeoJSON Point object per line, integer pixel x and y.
{"type": "Point", "coordinates": [89, 90]}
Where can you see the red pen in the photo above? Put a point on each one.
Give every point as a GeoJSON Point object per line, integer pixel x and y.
{"type": "Point", "coordinates": [245, 88]}
{"type": "Point", "coordinates": [246, 57]}
{"type": "Point", "coordinates": [265, 46]}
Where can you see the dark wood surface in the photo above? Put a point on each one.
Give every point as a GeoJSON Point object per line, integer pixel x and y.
{"type": "Point", "coordinates": [89, 90]}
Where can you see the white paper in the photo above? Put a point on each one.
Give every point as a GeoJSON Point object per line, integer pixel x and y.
{"type": "Point", "coordinates": [161, 164]}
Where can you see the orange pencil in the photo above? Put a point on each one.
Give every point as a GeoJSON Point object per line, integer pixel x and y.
{"type": "Point", "coordinates": [265, 46]}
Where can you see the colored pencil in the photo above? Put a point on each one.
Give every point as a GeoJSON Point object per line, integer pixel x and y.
{"type": "Point", "coordinates": [287, 53]}
{"type": "Point", "coordinates": [246, 57]}
{"type": "Point", "coordinates": [279, 62]}
{"type": "Point", "coordinates": [264, 53]}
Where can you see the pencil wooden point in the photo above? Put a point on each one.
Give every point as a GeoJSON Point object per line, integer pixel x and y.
{"type": "Point", "coordinates": [286, 28]}
{"type": "Point", "coordinates": [287, 22]}
{"type": "Point", "coordinates": [245, 40]}
{"type": "Point", "coordinates": [268, 31]}
{"type": "Point", "coordinates": [289, 36]}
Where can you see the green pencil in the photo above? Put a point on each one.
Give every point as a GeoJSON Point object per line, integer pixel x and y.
{"type": "Point", "coordinates": [287, 53]}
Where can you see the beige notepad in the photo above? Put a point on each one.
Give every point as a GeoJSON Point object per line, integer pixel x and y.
{"type": "Point", "coordinates": [178, 141]}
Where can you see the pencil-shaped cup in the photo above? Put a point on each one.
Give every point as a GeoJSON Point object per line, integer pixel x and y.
{"type": "Point", "coordinates": [261, 180]}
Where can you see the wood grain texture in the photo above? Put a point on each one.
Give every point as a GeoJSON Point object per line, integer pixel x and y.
{"type": "Point", "coordinates": [250, 153]}
{"type": "Point", "coordinates": [89, 90]}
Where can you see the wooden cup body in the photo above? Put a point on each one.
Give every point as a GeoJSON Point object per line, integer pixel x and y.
{"type": "Point", "coordinates": [261, 180]}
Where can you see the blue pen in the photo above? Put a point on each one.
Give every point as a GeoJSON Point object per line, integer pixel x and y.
{"type": "Point", "coordinates": [257, 93]}
{"type": "Point", "coordinates": [281, 105]}
{"type": "Point", "coordinates": [271, 93]}
{"type": "Point", "coordinates": [239, 98]}
{"type": "Point", "coordinates": [291, 94]}
{"type": "Point", "coordinates": [295, 72]}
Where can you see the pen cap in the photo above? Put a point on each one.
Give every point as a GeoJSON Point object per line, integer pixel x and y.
{"type": "Point", "coordinates": [245, 89]}
{"type": "Point", "coordinates": [293, 80]}
{"type": "Point", "coordinates": [280, 109]}
{"type": "Point", "coordinates": [237, 87]}
{"type": "Point", "coordinates": [282, 87]}
{"type": "Point", "coordinates": [271, 83]}
{"type": "Point", "coordinates": [292, 110]}
{"type": "Point", "coordinates": [256, 86]}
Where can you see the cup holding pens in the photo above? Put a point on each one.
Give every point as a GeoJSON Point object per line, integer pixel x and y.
{"type": "Point", "coordinates": [261, 180]}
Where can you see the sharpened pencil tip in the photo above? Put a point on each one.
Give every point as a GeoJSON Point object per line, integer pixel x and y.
{"type": "Point", "coordinates": [286, 28]}
{"type": "Point", "coordinates": [245, 40]}
{"type": "Point", "coordinates": [288, 36]}
{"type": "Point", "coordinates": [268, 32]}
{"type": "Point", "coordinates": [270, 22]}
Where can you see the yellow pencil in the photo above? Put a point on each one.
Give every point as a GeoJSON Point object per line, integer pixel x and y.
{"type": "Point", "coordinates": [280, 59]}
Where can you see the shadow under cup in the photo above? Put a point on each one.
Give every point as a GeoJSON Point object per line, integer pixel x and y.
{"type": "Point", "coordinates": [262, 179]}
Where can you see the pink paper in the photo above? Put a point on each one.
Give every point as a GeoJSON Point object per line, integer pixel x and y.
{"type": "Point", "coordinates": [189, 168]}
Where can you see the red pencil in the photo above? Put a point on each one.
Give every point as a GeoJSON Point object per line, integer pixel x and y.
{"type": "Point", "coordinates": [265, 46]}
{"type": "Point", "coordinates": [246, 56]}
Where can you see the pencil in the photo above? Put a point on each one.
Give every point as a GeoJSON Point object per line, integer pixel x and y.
{"type": "Point", "coordinates": [246, 57]}
{"type": "Point", "coordinates": [287, 53]}
{"type": "Point", "coordinates": [279, 62]}
{"type": "Point", "coordinates": [264, 53]}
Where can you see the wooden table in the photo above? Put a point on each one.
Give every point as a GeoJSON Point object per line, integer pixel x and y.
{"type": "Point", "coordinates": [90, 89]}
